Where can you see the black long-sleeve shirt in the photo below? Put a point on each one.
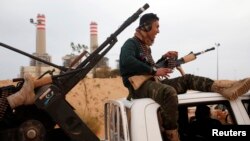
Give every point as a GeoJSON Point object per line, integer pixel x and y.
{"type": "Point", "coordinates": [132, 61]}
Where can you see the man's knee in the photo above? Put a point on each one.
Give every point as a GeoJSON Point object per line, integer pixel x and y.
{"type": "Point", "coordinates": [168, 97]}
{"type": "Point", "coordinates": [170, 93]}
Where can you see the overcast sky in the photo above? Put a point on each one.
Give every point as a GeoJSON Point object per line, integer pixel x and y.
{"type": "Point", "coordinates": [185, 26]}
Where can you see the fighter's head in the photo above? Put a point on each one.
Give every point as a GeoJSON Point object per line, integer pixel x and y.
{"type": "Point", "coordinates": [146, 21]}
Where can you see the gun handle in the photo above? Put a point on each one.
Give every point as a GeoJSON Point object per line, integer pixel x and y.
{"type": "Point", "coordinates": [189, 57]}
{"type": "Point", "coordinates": [42, 81]}
{"type": "Point", "coordinates": [179, 68]}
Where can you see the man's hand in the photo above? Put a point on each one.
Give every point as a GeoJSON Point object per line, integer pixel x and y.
{"type": "Point", "coordinates": [25, 96]}
{"type": "Point", "coordinates": [163, 72]}
{"type": "Point", "coordinates": [171, 54]}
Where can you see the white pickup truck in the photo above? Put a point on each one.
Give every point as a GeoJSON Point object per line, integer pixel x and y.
{"type": "Point", "coordinates": [138, 120]}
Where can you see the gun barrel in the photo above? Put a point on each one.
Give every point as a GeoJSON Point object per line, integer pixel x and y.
{"type": "Point", "coordinates": [33, 57]}
{"type": "Point", "coordinates": [93, 58]}
{"type": "Point", "coordinates": [210, 49]}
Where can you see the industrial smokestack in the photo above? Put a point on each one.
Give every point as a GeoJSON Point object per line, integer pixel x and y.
{"type": "Point", "coordinates": [40, 35]}
{"type": "Point", "coordinates": [37, 68]}
{"type": "Point", "coordinates": [40, 41]}
{"type": "Point", "coordinates": [93, 36]}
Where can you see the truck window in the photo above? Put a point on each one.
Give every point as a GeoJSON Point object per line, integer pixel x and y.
{"type": "Point", "coordinates": [128, 111]}
{"type": "Point", "coordinates": [114, 123]}
{"type": "Point", "coordinates": [220, 113]}
{"type": "Point", "coordinates": [246, 104]}
{"type": "Point", "coordinates": [112, 120]}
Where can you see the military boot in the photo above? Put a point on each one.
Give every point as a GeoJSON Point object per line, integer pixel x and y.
{"type": "Point", "coordinates": [25, 96]}
{"type": "Point", "coordinates": [231, 89]}
{"type": "Point", "coordinates": [172, 135]}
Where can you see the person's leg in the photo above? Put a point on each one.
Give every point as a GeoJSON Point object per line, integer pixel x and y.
{"type": "Point", "coordinates": [190, 82]}
{"type": "Point", "coordinates": [166, 96]}
{"type": "Point", "coordinates": [230, 89]}
{"type": "Point", "coordinates": [25, 96]}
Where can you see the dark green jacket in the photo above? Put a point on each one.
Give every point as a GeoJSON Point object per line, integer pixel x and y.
{"type": "Point", "coordinates": [132, 61]}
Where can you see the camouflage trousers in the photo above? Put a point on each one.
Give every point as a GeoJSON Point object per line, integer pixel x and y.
{"type": "Point", "coordinates": [165, 93]}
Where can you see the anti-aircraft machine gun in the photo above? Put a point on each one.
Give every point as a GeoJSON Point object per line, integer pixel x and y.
{"type": "Point", "coordinates": [50, 97]}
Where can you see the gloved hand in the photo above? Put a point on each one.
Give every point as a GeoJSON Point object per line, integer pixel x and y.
{"type": "Point", "coordinates": [171, 54]}
{"type": "Point", "coordinates": [171, 63]}
{"type": "Point", "coordinates": [171, 57]}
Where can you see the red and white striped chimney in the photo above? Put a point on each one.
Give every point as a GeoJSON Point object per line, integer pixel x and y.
{"type": "Point", "coordinates": [93, 36]}
{"type": "Point", "coordinates": [40, 35]}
